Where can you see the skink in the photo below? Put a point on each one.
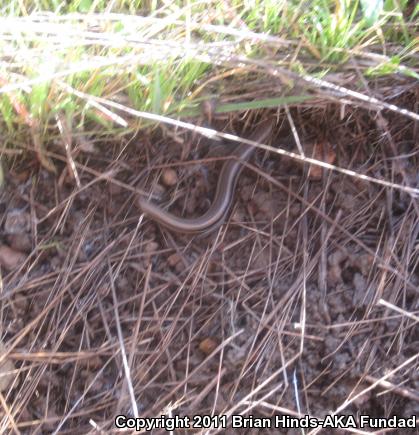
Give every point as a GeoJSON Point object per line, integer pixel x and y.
{"type": "Point", "coordinates": [220, 207]}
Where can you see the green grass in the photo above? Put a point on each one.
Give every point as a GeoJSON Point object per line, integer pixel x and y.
{"type": "Point", "coordinates": [170, 63]}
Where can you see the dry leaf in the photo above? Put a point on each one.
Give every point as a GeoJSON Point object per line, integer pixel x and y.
{"type": "Point", "coordinates": [324, 152]}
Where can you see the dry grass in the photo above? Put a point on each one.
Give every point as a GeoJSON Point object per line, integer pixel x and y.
{"type": "Point", "coordinates": [304, 302]}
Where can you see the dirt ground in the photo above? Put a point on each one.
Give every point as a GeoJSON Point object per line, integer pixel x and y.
{"type": "Point", "coordinates": [304, 302]}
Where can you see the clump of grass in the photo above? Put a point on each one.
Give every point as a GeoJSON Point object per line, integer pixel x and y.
{"type": "Point", "coordinates": [160, 57]}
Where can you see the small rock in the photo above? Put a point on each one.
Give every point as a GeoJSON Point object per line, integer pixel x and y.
{"type": "Point", "coordinates": [359, 283]}
{"type": "Point", "coordinates": [17, 222]}
{"type": "Point", "coordinates": [151, 247]}
{"type": "Point", "coordinates": [365, 262]}
{"type": "Point", "coordinates": [207, 345]}
{"type": "Point", "coordinates": [173, 259]}
{"type": "Point", "coordinates": [11, 259]}
{"type": "Point", "coordinates": [337, 257]}
{"type": "Point", "coordinates": [169, 177]}
{"type": "Point", "coordinates": [20, 242]}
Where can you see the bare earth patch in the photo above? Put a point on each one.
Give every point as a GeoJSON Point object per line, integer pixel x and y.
{"type": "Point", "coordinates": [304, 302]}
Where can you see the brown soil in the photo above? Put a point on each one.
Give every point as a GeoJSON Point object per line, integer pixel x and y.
{"type": "Point", "coordinates": [278, 312]}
